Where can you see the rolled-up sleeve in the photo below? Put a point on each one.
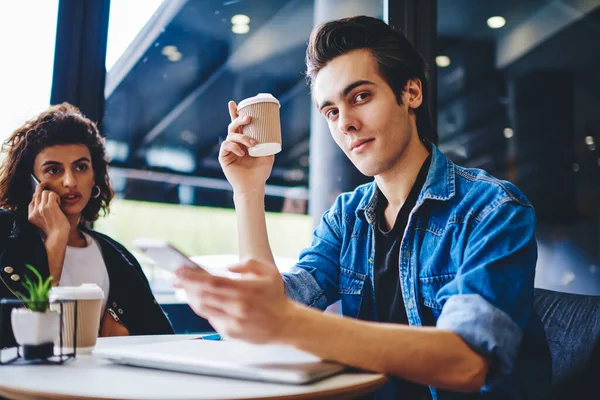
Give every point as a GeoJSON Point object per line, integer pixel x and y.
{"type": "Point", "coordinates": [491, 298]}
{"type": "Point", "coordinates": [314, 280]}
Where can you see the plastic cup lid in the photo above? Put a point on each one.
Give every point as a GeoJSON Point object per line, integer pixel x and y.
{"type": "Point", "coordinates": [87, 291]}
{"type": "Point", "coordinates": [259, 98]}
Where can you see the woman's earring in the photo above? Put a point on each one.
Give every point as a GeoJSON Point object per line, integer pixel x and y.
{"type": "Point", "coordinates": [97, 194]}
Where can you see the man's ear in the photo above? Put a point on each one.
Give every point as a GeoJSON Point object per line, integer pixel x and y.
{"type": "Point", "coordinates": [413, 93]}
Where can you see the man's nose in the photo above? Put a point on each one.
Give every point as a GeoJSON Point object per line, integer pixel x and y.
{"type": "Point", "coordinates": [347, 122]}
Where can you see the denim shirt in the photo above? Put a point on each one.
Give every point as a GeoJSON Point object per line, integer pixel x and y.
{"type": "Point", "coordinates": [467, 264]}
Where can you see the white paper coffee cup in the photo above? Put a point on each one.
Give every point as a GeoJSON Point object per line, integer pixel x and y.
{"type": "Point", "coordinates": [265, 127]}
{"type": "Point", "coordinates": [89, 310]}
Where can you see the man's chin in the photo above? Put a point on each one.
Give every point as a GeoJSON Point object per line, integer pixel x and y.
{"type": "Point", "coordinates": [364, 167]}
{"type": "Point", "coordinates": [366, 170]}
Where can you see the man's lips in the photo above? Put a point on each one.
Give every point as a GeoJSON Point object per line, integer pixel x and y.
{"type": "Point", "coordinates": [359, 145]}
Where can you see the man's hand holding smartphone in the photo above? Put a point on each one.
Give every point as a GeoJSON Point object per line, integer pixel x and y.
{"type": "Point", "coordinates": [44, 212]}
{"type": "Point", "coordinates": [166, 255]}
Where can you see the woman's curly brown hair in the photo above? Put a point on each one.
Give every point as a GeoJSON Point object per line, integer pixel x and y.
{"type": "Point", "coordinates": [62, 124]}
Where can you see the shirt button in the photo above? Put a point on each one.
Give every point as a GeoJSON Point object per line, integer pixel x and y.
{"type": "Point", "coordinates": [120, 311]}
{"type": "Point", "coordinates": [114, 304]}
{"type": "Point", "coordinates": [8, 269]}
{"type": "Point", "coordinates": [15, 277]}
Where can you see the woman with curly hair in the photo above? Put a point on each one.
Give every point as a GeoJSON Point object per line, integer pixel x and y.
{"type": "Point", "coordinates": [44, 224]}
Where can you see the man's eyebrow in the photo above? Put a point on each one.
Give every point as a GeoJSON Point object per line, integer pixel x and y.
{"type": "Point", "coordinates": [82, 159]}
{"type": "Point", "coordinates": [327, 103]}
{"type": "Point", "coordinates": [347, 91]}
{"type": "Point", "coordinates": [354, 85]}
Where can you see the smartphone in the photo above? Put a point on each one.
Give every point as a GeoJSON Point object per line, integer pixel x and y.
{"type": "Point", "coordinates": [34, 183]}
{"type": "Point", "coordinates": [165, 254]}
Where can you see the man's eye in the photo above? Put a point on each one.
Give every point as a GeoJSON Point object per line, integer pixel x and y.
{"type": "Point", "coordinates": [52, 171]}
{"type": "Point", "coordinates": [361, 96]}
{"type": "Point", "coordinates": [82, 167]}
{"type": "Point", "coordinates": [330, 114]}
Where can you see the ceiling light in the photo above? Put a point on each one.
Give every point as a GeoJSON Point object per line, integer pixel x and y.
{"type": "Point", "coordinates": [496, 22]}
{"type": "Point", "coordinates": [174, 57]}
{"type": "Point", "coordinates": [240, 19]}
{"type": "Point", "coordinates": [442, 61]}
{"type": "Point", "coordinates": [240, 29]}
{"type": "Point", "coordinates": [589, 140]}
{"type": "Point", "coordinates": [508, 133]}
{"type": "Point", "coordinates": [168, 50]}
{"type": "Point", "coordinates": [188, 136]}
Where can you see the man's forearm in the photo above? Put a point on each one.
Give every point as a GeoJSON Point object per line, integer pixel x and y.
{"type": "Point", "coordinates": [252, 227]}
{"type": "Point", "coordinates": [426, 355]}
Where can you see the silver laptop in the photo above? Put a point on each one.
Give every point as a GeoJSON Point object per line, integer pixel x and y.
{"type": "Point", "coordinates": [227, 358]}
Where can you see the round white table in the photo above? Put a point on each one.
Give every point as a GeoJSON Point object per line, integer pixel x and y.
{"type": "Point", "coordinates": [88, 377]}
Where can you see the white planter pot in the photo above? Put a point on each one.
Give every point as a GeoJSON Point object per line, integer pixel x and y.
{"type": "Point", "coordinates": [32, 328]}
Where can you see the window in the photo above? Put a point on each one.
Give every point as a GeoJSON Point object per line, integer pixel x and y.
{"type": "Point", "coordinates": [27, 60]}
{"type": "Point", "coordinates": [518, 88]}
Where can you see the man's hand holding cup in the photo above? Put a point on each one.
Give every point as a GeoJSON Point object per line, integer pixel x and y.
{"type": "Point", "coordinates": [253, 137]}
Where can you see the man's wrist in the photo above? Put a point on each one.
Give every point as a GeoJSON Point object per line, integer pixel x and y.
{"type": "Point", "coordinates": [292, 320]}
{"type": "Point", "coordinates": [249, 195]}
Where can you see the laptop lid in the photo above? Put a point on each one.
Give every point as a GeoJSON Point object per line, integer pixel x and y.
{"type": "Point", "coordinates": [227, 358]}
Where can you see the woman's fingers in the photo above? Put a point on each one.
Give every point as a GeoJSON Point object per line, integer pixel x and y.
{"type": "Point", "coordinates": [39, 189]}
{"type": "Point", "coordinates": [45, 198]}
{"type": "Point", "coordinates": [37, 196]}
{"type": "Point", "coordinates": [53, 198]}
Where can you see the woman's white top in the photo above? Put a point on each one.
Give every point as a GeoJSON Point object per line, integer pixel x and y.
{"type": "Point", "coordinates": [85, 265]}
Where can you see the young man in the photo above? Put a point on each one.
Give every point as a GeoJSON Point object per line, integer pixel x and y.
{"type": "Point", "coordinates": [434, 262]}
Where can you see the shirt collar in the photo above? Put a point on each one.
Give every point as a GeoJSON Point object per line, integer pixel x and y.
{"type": "Point", "coordinates": [439, 185]}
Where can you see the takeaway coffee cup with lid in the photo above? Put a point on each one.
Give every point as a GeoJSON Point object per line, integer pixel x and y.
{"type": "Point", "coordinates": [265, 126]}
{"type": "Point", "coordinates": [89, 306]}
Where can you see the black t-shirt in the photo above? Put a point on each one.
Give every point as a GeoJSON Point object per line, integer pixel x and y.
{"type": "Point", "coordinates": [388, 292]}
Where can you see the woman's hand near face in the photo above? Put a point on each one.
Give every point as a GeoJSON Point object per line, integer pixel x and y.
{"type": "Point", "coordinates": [45, 213]}
{"type": "Point", "coordinates": [244, 173]}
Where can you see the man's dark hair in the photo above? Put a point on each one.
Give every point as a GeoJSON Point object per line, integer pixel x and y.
{"type": "Point", "coordinates": [397, 60]}
{"type": "Point", "coordinates": [62, 124]}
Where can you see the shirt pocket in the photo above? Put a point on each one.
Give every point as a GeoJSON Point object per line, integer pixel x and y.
{"type": "Point", "coordinates": [429, 288]}
{"type": "Point", "coordinates": [351, 289]}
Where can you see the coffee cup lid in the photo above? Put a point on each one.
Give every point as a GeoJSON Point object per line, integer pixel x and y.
{"type": "Point", "coordinates": [259, 98]}
{"type": "Point", "coordinates": [87, 291]}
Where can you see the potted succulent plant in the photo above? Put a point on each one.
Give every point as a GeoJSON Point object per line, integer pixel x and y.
{"type": "Point", "coordinates": [35, 327]}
